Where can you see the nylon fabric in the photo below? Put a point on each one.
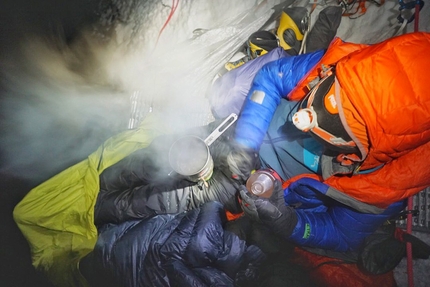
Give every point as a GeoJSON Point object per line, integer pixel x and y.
{"type": "Point", "coordinates": [395, 113]}
{"type": "Point", "coordinates": [337, 50]}
{"type": "Point", "coordinates": [326, 223]}
{"type": "Point", "coordinates": [383, 88]}
{"type": "Point", "coordinates": [57, 217]}
{"type": "Point", "coordinates": [153, 251]}
{"type": "Point", "coordinates": [275, 79]}
{"type": "Point", "coordinates": [143, 184]}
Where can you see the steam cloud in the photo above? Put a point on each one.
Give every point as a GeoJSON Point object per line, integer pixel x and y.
{"type": "Point", "coordinates": [64, 95]}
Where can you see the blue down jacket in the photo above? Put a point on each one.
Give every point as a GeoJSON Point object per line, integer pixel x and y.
{"type": "Point", "coordinates": [265, 124]}
{"type": "Point", "coordinates": [187, 249]}
{"type": "Point", "coordinates": [324, 223]}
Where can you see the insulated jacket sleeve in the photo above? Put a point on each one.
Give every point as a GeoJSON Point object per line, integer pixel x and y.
{"type": "Point", "coordinates": [391, 182]}
{"type": "Point", "coordinates": [332, 226]}
{"type": "Point", "coordinates": [383, 93]}
{"type": "Point", "coordinates": [139, 186]}
{"type": "Point", "coordinates": [143, 184]}
{"type": "Point", "coordinates": [274, 81]}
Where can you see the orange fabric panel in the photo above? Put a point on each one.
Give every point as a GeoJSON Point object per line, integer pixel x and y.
{"type": "Point", "coordinates": [286, 183]}
{"type": "Point", "coordinates": [397, 180]}
{"type": "Point", "coordinates": [386, 86]}
{"type": "Point", "coordinates": [232, 216]}
{"type": "Point", "coordinates": [337, 50]}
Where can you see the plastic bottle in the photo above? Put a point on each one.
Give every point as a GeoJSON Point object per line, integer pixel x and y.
{"type": "Point", "coordinates": [261, 183]}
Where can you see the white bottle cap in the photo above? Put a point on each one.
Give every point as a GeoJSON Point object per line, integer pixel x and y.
{"type": "Point", "coordinates": [305, 119]}
{"type": "Point", "coordinates": [261, 183]}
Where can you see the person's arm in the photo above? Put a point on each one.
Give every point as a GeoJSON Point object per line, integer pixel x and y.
{"type": "Point", "coordinates": [396, 180]}
{"type": "Point", "coordinates": [309, 218]}
{"type": "Point", "coordinates": [219, 188]}
{"type": "Point", "coordinates": [272, 83]}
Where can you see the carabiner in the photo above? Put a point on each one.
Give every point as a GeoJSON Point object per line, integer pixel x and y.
{"type": "Point", "coordinates": [409, 5]}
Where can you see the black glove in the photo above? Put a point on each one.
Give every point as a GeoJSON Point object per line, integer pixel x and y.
{"type": "Point", "coordinates": [383, 250]}
{"type": "Point", "coordinates": [242, 161]}
{"type": "Point", "coordinates": [272, 212]}
{"type": "Point", "coordinates": [420, 249]}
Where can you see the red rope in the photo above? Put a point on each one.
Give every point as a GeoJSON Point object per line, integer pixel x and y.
{"type": "Point", "coordinates": [172, 11]}
{"type": "Point", "coordinates": [417, 17]}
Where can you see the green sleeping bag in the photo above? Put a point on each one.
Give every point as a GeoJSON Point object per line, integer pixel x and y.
{"type": "Point", "coordinates": [57, 217]}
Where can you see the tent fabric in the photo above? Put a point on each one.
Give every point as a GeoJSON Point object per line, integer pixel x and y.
{"type": "Point", "coordinates": [57, 217]}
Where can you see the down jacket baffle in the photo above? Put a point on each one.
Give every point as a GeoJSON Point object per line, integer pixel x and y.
{"type": "Point", "coordinates": [188, 249]}
{"type": "Point", "coordinates": [143, 184]}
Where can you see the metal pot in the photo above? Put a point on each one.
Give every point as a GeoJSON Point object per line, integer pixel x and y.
{"type": "Point", "coordinates": [190, 155]}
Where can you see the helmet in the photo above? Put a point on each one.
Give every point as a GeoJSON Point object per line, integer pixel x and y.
{"type": "Point", "coordinates": [319, 115]}
{"type": "Point", "coordinates": [292, 26]}
{"type": "Point", "coordinates": [262, 42]}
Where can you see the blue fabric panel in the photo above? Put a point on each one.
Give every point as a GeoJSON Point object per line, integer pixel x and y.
{"type": "Point", "coordinates": [286, 149]}
{"type": "Point", "coordinates": [306, 193]}
{"type": "Point", "coordinates": [272, 83]}
{"type": "Point", "coordinates": [340, 228]}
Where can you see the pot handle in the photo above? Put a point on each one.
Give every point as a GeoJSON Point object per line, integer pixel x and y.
{"type": "Point", "coordinates": [221, 129]}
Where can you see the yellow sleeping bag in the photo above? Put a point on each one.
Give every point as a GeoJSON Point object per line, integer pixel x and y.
{"type": "Point", "coordinates": [57, 217]}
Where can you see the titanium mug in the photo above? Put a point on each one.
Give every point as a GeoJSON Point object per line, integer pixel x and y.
{"type": "Point", "coordinates": [190, 156]}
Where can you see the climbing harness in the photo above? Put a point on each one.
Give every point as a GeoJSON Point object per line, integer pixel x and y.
{"type": "Point", "coordinates": [357, 8]}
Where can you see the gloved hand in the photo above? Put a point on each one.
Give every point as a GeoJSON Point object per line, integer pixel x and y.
{"type": "Point", "coordinates": [242, 161]}
{"type": "Point", "coordinates": [383, 250]}
{"type": "Point", "coordinates": [307, 193]}
{"type": "Point", "coordinates": [272, 211]}
{"type": "Point", "coordinates": [420, 249]}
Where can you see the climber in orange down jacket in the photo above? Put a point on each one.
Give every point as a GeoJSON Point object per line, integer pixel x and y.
{"type": "Point", "coordinates": [368, 107]}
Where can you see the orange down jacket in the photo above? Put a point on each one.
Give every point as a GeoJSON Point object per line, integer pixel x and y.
{"type": "Point", "coordinates": [384, 103]}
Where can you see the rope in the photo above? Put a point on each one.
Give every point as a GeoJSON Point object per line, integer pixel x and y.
{"type": "Point", "coordinates": [305, 34]}
{"type": "Point", "coordinates": [360, 7]}
{"type": "Point", "coordinates": [172, 11]}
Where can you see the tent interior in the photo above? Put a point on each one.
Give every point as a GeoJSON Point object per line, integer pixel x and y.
{"type": "Point", "coordinates": [75, 74]}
